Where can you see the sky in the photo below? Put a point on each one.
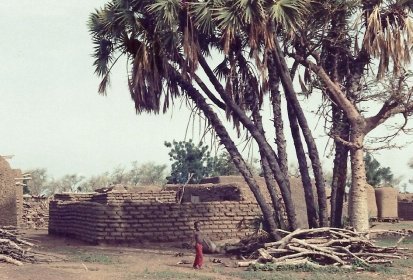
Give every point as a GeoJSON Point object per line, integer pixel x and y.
{"type": "Point", "coordinates": [51, 115]}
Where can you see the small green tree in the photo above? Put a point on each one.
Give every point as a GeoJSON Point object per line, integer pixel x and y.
{"type": "Point", "coordinates": [189, 161]}
{"type": "Point", "coordinates": [189, 158]}
{"type": "Point", "coordinates": [377, 175]}
{"type": "Point", "coordinates": [222, 165]}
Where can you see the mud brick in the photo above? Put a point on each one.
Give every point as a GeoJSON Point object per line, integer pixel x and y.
{"type": "Point", "coordinates": [139, 216]}
{"type": "Point", "coordinates": [99, 225]}
{"type": "Point", "coordinates": [184, 228]}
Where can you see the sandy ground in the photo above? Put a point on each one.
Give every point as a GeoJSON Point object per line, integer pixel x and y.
{"type": "Point", "coordinates": [80, 261]}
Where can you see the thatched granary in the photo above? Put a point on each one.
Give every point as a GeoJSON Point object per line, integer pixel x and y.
{"type": "Point", "coordinates": [386, 199]}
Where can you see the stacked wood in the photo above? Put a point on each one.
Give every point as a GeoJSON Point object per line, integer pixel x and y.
{"type": "Point", "coordinates": [13, 249]}
{"type": "Point", "coordinates": [325, 246]}
{"type": "Point", "coordinates": [35, 212]}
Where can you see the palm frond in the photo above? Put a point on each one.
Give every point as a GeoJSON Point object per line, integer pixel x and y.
{"type": "Point", "coordinates": [201, 13]}
{"type": "Point", "coordinates": [389, 37]}
{"type": "Point", "coordinates": [289, 14]}
{"type": "Point", "coordinates": [166, 11]}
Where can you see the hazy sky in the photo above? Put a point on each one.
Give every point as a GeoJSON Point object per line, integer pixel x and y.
{"type": "Point", "coordinates": [51, 115]}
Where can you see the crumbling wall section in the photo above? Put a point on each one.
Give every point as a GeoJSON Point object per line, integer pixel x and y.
{"type": "Point", "coordinates": [128, 220]}
{"type": "Point", "coordinates": [208, 192]}
{"type": "Point", "coordinates": [35, 212]}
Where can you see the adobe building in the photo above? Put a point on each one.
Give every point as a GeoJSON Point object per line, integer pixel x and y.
{"type": "Point", "coordinates": [225, 206]}
{"type": "Point", "coordinates": [11, 195]}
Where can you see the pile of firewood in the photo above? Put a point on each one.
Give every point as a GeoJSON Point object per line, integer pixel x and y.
{"type": "Point", "coordinates": [326, 246]}
{"type": "Point", "coordinates": [14, 249]}
{"type": "Point", "coordinates": [36, 215]}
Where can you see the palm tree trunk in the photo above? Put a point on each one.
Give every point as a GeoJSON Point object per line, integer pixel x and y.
{"type": "Point", "coordinates": [262, 143]}
{"type": "Point", "coordinates": [312, 215]}
{"type": "Point", "coordinates": [338, 184]}
{"type": "Point", "coordinates": [231, 148]}
{"type": "Point", "coordinates": [280, 141]}
{"type": "Point", "coordinates": [271, 185]}
{"type": "Point", "coordinates": [311, 145]}
{"type": "Point", "coordinates": [268, 175]}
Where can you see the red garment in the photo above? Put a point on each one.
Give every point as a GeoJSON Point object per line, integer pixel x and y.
{"type": "Point", "coordinates": [199, 257]}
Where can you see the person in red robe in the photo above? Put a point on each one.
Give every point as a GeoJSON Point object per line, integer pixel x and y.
{"type": "Point", "coordinates": [199, 257]}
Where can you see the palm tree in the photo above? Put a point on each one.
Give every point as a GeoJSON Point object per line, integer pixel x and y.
{"type": "Point", "coordinates": [162, 45]}
{"type": "Point", "coordinates": [166, 41]}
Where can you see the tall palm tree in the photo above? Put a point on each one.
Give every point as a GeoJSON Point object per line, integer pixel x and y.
{"type": "Point", "coordinates": [166, 41]}
{"type": "Point", "coordinates": [161, 43]}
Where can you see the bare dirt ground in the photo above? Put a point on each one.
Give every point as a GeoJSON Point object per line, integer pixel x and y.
{"type": "Point", "coordinates": [80, 261]}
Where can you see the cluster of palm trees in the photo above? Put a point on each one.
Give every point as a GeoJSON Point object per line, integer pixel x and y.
{"type": "Point", "coordinates": [259, 47]}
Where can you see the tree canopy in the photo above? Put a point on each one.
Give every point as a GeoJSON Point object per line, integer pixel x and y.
{"type": "Point", "coordinates": [192, 163]}
{"type": "Point", "coordinates": [376, 174]}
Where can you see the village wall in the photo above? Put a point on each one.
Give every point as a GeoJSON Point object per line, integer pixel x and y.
{"type": "Point", "coordinates": [208, 192]}
{"type": "Point", "coordinates": [11, 195]}
{"type": "Point", "coordinates": [123, 219]}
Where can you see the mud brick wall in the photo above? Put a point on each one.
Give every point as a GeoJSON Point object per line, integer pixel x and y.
{"type": "Point", "coordinates": [19, 196]}
{"type": "Point", "coordinates": [209, 192]}
{"type": "Point", "coordinates": [11, 200]}
{"type": "Point", "coordinates": [77, 219]}
{"type": "Point", "coordinates": [405, 210]}
{"type": "Point", "coordinates": [119, 197]}
{"type": "Point", "coordinates": [115, 198]}
{"type": "Point", "coordinates": [133, 221]}
{"type": "Point", "coordinates": [74, 196]}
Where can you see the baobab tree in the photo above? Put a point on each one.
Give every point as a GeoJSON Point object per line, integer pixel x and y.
{"type": "Point", "coordinates": [341, 59]}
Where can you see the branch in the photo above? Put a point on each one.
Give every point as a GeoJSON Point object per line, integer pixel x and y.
{"type": "Point", "coordinates": [337, 94]}
{"type": "Point", "coordinates": [388, 110]}
{"type": "Point", "coordinates": [346, 143]}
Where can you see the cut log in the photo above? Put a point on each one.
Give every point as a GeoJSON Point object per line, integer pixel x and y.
{"type": "Point", "coordinates": [9, 260]}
